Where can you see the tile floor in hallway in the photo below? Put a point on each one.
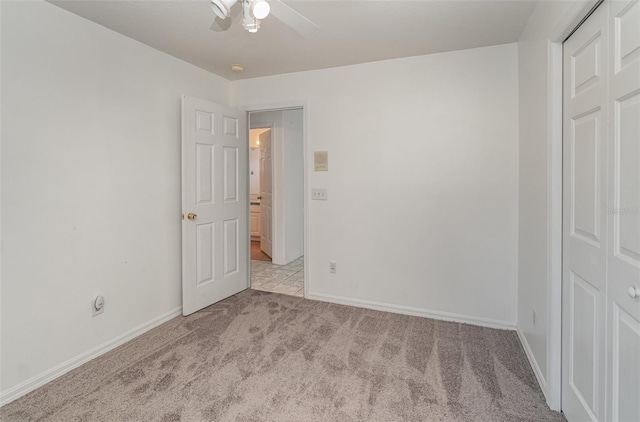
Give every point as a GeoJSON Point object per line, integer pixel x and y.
{"type": "Point", "coordinates": [286, 279]}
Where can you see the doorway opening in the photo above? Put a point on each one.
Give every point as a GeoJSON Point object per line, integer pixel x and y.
{"type": "Point", "coordinates": [258, 180]}
{"type": "Point", "coordinates": [276, 200]}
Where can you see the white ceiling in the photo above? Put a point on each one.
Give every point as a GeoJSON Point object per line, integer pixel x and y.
{"type": "Point", "coordinates": [350, 31]}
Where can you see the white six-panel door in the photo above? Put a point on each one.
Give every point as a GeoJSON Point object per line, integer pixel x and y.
{"type": "Point", "coordinates": [623, 212]}
{"type": "Point", "coordinates": [601, 216]}
{"type": "Point", "coordinates": [214, 203]}
{"type": "Point", "coordinates": [584, 221]}
{"type": "Point", "coordinates": [266, 193]}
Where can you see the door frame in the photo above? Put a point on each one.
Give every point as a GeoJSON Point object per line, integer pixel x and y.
{"type": "Point", "coordinates": [289, 105]}
{"type": "Point", "coordinates": [574, 17]}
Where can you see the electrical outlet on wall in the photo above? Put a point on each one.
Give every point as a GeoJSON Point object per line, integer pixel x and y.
{"type": "Point", "coordinates": [333, 267]}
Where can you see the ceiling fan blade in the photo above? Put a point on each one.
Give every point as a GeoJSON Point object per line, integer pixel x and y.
{"type": "Point", "coordinates": [295, 20]}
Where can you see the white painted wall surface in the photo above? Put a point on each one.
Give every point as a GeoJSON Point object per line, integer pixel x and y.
{"type": "Point", "coordinates": [292, 121]}
{"type": "Point", "coordinates": [422, 181]}
{"type": "Point", "coordinates": [90, 186]}
{"type": "Point", "coordinates": [536, 185]}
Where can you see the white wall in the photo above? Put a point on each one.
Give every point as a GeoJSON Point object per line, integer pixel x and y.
{"type": "Point", "coordinates": [292, 121]}
{"type": "Point", "coordinates": [90, 186]}
{"type": "Point", "coordinates": [539, 187]}
{"type": "Point", "coordinates": [422, 181]}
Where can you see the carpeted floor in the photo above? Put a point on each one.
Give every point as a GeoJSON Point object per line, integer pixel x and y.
{"type": "Point", "coordinates": [261, 356]}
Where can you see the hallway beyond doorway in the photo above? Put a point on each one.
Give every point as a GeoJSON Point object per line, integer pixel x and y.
{"type": "Point", "coordinates": [286, 279]}
{"type": "Point", "coordinates": [256, 252]}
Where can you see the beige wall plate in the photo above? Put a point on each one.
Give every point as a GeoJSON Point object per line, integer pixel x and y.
{"type": "Point", "coordinates": [321, 160]}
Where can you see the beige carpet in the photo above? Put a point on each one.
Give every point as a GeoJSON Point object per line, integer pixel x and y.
{"type": "Point", "coordinates": [261, 356]}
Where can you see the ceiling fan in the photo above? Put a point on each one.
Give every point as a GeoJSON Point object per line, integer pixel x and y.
{"type": "Point", "coordinates": [253, 11]}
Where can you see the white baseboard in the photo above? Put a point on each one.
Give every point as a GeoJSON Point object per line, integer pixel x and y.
{"type": "Point", "coordinates": [407, 310]}
{"type": "Point", "coordinates": [53, 373]}
{"type": "Point", "coordinates": [533, 362]}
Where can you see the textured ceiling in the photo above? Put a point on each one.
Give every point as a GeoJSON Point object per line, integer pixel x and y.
{"type": "Point", "coordinates": [350, 31]}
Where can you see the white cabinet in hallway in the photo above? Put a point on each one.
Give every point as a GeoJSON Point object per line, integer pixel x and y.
{"type": "Point", "coordinates": [256, 225]}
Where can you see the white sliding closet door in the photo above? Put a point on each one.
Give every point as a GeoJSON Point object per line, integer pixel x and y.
{"type": "Point", "coordinates": [623, 213]}
{"type": "Point", "coordinates": [601, 216]}
{"type": "Point", "coordinates": [584, 220]}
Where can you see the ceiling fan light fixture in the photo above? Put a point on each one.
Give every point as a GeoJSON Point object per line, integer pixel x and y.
{"type": "Point", "coordinates": [222, 8]}
{"type": "Point", "coordinates": [252, 26]}
{"type": "Point", "coordinates": [249, 23]}
{"type": "Point", "coordinates": [260, 9]}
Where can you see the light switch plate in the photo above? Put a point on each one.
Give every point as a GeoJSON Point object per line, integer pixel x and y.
{"type": "Point", "coordinates": [319, 194]}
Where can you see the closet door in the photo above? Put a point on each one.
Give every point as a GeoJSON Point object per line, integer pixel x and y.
{"type": "Point", "coordinates": [584, 220]}
{"type": "Point", "coordinates": [623, 213]}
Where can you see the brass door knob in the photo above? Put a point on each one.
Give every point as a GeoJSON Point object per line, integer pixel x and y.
{"type": "Point", "coordinates": [192, 216]}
